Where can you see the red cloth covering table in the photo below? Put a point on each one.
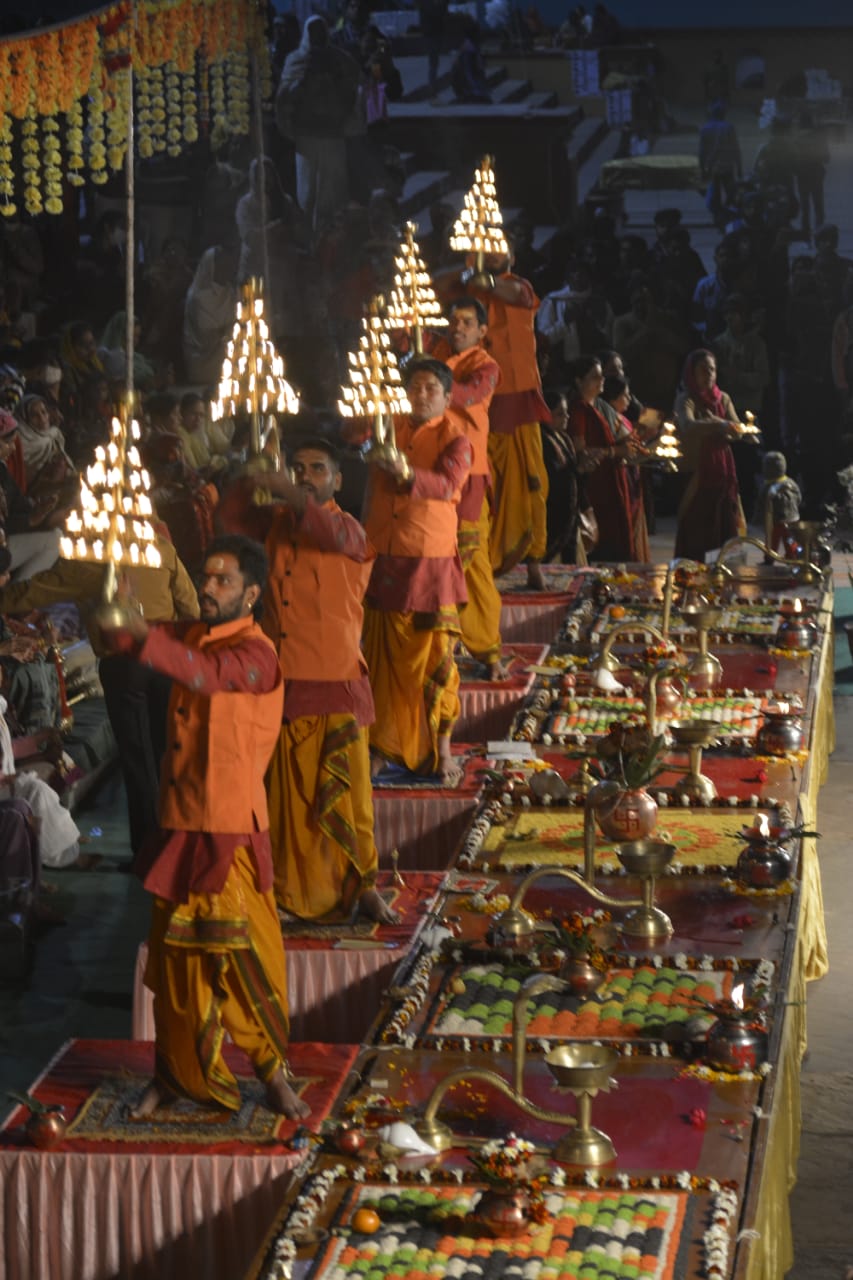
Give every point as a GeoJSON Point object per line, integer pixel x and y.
{"type": "Point", "coordinates": [334, 979]}
{"type": "Point", "coordinates": [424, 822]}
{"type": "Point", "coordinates": [535, 617]}
{"type": "Point", "coordinates": [98, 1210]}
{"type": "Point", "coordinates": [646, 1115]}
{"type": "Point", "coordinates": [487, 706]}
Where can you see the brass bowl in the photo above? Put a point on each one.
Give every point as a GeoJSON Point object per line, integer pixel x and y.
{"type": "Point", "coordinates": [694, 733]}
{"type": "Point", "coordinates": [583, 1067]}
{"type": "Point", "coordinates": [645, 857]}
{"type": "Point", "coordinates": [702, 619]}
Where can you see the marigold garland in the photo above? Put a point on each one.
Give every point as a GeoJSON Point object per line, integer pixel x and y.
{"type": "Point", "coordinates": [69, 89]}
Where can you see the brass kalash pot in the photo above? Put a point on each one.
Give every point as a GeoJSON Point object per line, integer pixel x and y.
{"type": "Point", "coordinates": [736, 1041]}
{"type": "Point", "coordinates": [797, 630]}
{"type": "Point", "coordinates": [763, 862]}
{"type": "Point", "coordinates": [782, 731]}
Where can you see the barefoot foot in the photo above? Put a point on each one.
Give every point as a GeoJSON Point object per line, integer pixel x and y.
{"type": "Point", "coordinates": [373, 905]}
{"type": "Point", "coordinates": [535, 581]}
{"type": "Point", "coordinates": [450, 771]}
{"type": "Point", "coordinates": [281, 1098]}
{"type": "Point", "coordinates": [498, 670]}
{"type": "Point", "coordinates": [153, 1097]}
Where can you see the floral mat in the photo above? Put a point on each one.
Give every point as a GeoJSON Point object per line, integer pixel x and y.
{"type": "Point", "coordinates": [559, 580]}
{"type": "Point", "coordinates": [396, 777]}
{"type": "Point", "coordinates": [411, 901]}
{"type": "Point", "coordinates": [590, 1235]}
{"type": "Point", "coordinates": [542, 837]}
{"type": "Point", "coordinates": [106, 1117]}
{"type": "Point", "coordinates": [96, 1081]}
{"type": "Point", "coordinates": [517, 658]}
{"type": "Point", "coordinates": [632, 1003]}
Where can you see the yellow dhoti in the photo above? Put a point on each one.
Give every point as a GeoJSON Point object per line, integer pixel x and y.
{"type": "Point", "coordinates": [216, 964]}
{"type": "Point", "coordinates": [415, 683]}
{"type": "Point", "coordinates": [480, 618]}
{"type": "Point", "coordinates": [321, 815]}
{"type": "Point", "coordinates": [519, 524]}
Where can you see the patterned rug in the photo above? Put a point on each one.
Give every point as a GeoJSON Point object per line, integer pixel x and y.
{"type": "Point", "coordinates": [559, 579]}
{"type": "Point", "coordinates": [394, 777]}
{"type": "Point", "coordinates": [555, 837]}
{"type": "Point", "coordinates": [432, 1232]}
{"type": "Point", "coordinates": [105, 1116]}
{"type": "Point", "coordinates": [410, 900]}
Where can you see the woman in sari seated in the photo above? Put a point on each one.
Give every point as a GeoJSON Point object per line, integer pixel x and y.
{"type": "Point", "coordinates": [710, 511]}
{"type": "Point", "coordinates": [49, 469]}
{"type": "Point", "coordinates": [602, 454]}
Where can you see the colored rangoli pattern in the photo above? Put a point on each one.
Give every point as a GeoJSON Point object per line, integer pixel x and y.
{"type": "Point", "coordinates": [632, 1003]}
{"type": "Point", "coordinates": [592, 1235]}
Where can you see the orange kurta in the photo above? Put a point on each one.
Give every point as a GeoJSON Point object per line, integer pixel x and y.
{"type": "Point", "coordinates": [216, 959]}
{"type": "Point", "coordinates": [412, 625]}
{"type": "Point", "coordinates": [320, 795]}
{"type": "Point", "coordinates": [475, 378]}
{"type": "Point", "coordinates": [519, 524]}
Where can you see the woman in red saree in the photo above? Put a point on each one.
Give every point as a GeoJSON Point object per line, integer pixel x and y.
{"type": "Point", "coordinates": [601, 462]}
{"type": "Point", "coordinates": [710, 511]}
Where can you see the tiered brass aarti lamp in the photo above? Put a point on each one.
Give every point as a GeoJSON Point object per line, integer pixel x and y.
{"type": "Point", "coordinates": [375, 391]}
{"type": "Point", "coordinates": [479, 227]}
{"type": "Point", "coordinates": [252, 379]}
{"type": "Point", "coordinates": [412, 303]}
{"type": "Point", "coordinates": [113, 525]}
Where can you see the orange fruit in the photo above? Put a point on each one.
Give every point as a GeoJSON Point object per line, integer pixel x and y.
{"type": "Point", "coordinates": [365, 1221]}
{"type": "Point", "coordinates": [617, 611]}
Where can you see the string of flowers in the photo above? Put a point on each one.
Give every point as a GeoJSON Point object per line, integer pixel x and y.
{"type": "Point", "coordinates": [68, 89]}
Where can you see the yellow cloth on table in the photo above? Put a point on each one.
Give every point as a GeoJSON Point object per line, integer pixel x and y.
{"type": "Point", "coordinates": [415, 683]}
{"type": "Point", "coordinates": [480, 618]}
{"type": "Point", "coordinates": [519, 525]}
{"type": "Point", "coordinates": [771, 1251]}
{"type": "Point", "coordinates": [321, 815]}
{"type": "Point", "coordinates": [216, 964]}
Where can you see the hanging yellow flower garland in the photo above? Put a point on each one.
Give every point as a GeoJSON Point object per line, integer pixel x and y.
{"type": "Point", "coordinates": [69, 90]}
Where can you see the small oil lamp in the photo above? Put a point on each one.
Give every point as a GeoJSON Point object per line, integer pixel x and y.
{"type": "Point", "coordinates": [736, 1041]}
{"type": "Point", "coordinates": [797, 630]}
{"type": "Point", "coordinates": [782, 730]}
{"type": "Point", "coordinates": [665, 450]}
{"type": "Point", "coordinates": [763, 862]}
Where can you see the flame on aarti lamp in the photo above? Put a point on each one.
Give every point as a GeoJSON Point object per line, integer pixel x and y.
{"type": "Point", "coordinates": [737, 996]}
{"type": "Point", "coordinates": [374, 376]}
{"type": "Point", "coordinates": [666, 445]}
{"type": "Point", "coordinates": [761, 826]}
{"type": "Point", "coordinates": [252, 377]}
{"type": "Point", "coordinates": [113, 523]}
{"type": "Point", "coordinates": [479, 227]}
{"type": "Point", "coordinates": [412, 302]}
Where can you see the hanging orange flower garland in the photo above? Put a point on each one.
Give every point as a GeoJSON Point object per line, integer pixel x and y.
{"type": "Point", "coordinates": [179, 50]}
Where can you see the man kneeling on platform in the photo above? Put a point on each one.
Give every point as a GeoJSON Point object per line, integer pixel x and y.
{"type": "Point", "coordinates": [215, 956]}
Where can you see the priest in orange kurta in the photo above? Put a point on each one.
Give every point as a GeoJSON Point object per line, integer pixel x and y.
{"type": "Point", "coordinates": [412, 617]}
{"type": "Point", "coordinates": [319, 786]}
{"type": "Point", "coordinates": [475, 378]}
{"type": "Point", "coordinates": [519, 526]}
{"type": "Point", "coordinates": [216, 958]}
